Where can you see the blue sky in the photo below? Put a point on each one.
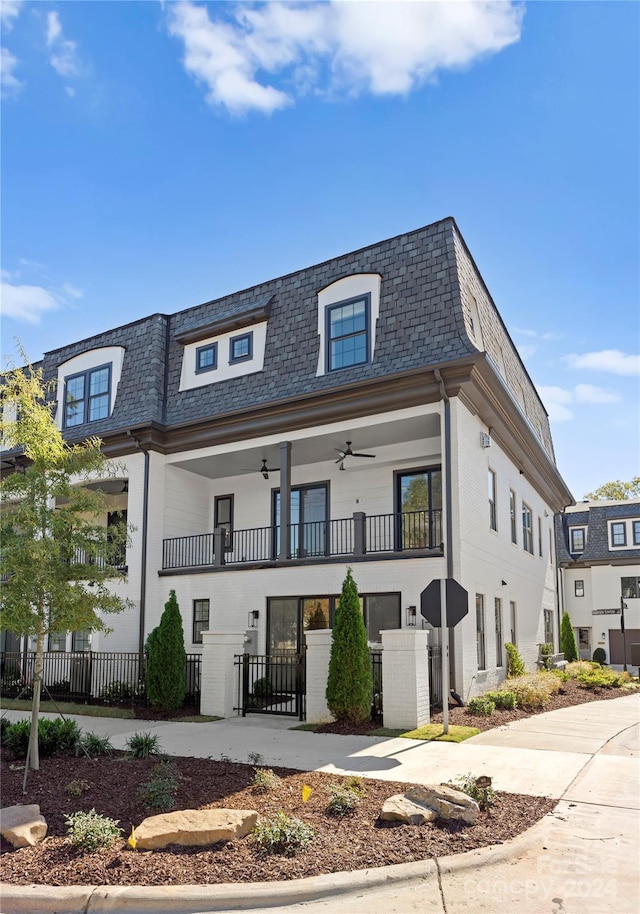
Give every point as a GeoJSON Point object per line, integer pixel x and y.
{"type": "Point", "coordinates": [155, 156]}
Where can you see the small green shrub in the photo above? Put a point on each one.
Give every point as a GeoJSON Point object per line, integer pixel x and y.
{"type": "Point", "coordinates": [142, 745]}
{"type": "Point", "coordinates": [356, 784]}
{"type": "Point", "coordinates": [282, 834]}
{"type": "Point", "coordinates": [88, 830]}
{"type": "Point", "coordinates": [484, 796]}
{"type": "Point", "coordinates": [600, 656]}
{"type": "Point", "coordinates": [568, 643]}
{"type": "Point", "coordinates": [503, 699]}
{"type": "Point", "coordinates": [482, 706]}
{"type": "Point", "coordinates": [16, 738]}
{"type": "Point", "coordinates": [5, 723]}
{"type": "Point", "coordinates": [264, 779]}
{"type": "Point", "coordinates": [515, 664]}
{"type": "Point", "coordinates": [116, 692]}
{"type": "Point", "coordinates": [77, 787]}
{"type": "Point", "coordinates": [56, 735]}
{"type": "Point", "coordinates": [342, 802]}
{"type": "Point", "coordinates": [93, 745]}
{"type": "Point", "coordinates": [262, 687]}
{"type": "Point", "coordinates": [159, 792]}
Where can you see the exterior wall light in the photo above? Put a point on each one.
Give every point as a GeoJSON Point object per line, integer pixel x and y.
{"type": "Point", "coordinates": [411, 616]}
{"type": "Point", "coordinates": [252, 621]}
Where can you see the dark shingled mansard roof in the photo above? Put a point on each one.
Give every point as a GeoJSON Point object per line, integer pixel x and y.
{"type": "Point", "coordinates": [428, 283]}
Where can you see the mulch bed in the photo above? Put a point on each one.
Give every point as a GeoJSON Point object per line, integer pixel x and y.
{"type": "Point", "coordinates": [358, 841]}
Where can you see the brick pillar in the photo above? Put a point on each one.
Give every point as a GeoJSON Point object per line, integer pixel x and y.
{"type": "Point", "coordinates": [405, 678]}
{"type": "Point", "coordinates": [318, 654]}
{"type": "Point", "coordinates": [219, 680]}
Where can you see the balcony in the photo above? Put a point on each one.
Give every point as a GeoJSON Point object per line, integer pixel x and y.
{"type": "Point", "coordinates": [415, 533]}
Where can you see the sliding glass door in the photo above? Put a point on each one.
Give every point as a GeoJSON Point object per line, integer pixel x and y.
{"type": "Point", "coordinates": [308, 521]}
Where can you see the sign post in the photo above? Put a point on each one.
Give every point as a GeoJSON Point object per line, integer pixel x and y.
{"type": "Point", "coordinates": [443, 603]}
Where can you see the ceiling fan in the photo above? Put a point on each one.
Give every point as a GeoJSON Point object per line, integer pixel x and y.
{"type": "Point", "coordinates": [347, 452]}
{"type": "Point", "coordinates": [265, 470]}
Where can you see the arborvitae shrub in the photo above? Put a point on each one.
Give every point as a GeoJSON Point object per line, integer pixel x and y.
{"type": "Point", "coordinates": [349, 684]}
{"type": "Point", "coordinates": [515, 666]}
{"type": "Point", "coordinates": [166, 659]}
{"type": "Point", "coordinates": [568, 644]}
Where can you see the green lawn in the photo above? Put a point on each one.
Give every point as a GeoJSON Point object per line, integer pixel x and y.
{"type": "Point", "coordinates": [69, 707]}
{"type": "Point", "coordinates": [429, 732]}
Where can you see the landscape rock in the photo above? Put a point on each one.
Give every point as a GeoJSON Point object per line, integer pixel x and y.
{"type": "Point", "coordinates": [194, 827]}
{"type": "Point", "coordinates": [447, 802]}
{"type": "Point", "coordinates": [22, 826]}
{"type": "Point", "coordinates": [399, 808]}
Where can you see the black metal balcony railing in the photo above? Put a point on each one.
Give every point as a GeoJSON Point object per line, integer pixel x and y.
{"type": "Point", "coordinates": [350, 536]}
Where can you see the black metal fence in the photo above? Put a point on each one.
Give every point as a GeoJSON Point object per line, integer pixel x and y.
{"type": "Point", "coordinates": [376, 669]}
{"type": "Point", "coordinates": [271, 684]}
{"type": "Point", "coordinates": [104, 678]}
{"type": "Point", "coordinates": [435, 676]}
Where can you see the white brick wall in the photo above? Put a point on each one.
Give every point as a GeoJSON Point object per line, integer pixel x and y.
{"type": "Point", "coordinates": [219, 678]}
{"type": "Point", "coordinates": [318, 656]}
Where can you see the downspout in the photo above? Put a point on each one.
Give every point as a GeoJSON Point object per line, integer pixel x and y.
{"type": "Point", "coordinates": [448, 510]}
{"type": "Point", "coordinates": [143, 570]}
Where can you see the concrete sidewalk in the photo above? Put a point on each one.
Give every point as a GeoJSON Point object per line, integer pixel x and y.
{"type": "Point", "coordinates": [581, 858]}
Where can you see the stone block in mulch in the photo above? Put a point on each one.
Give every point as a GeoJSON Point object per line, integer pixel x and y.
{"type": "Point", "coordinates": [194, 827]}
{"type": "Point", "coordinates": [22, 826]}
{"type": "Point", "coordinates": [426, 803]}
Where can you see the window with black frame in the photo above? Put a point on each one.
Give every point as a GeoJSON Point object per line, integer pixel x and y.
{"type": "Point", "coordinates": [87, 396]}
{"type": "Point", "coordinates": [200, 620]}
{"type": "Point", "coordinates": [419, 509]}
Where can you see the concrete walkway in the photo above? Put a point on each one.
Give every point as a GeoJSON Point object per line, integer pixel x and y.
{"type": "Point", "coordinates": [582, 858]}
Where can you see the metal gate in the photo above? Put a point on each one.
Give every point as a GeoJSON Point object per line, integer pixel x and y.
{"type": "Point", "coordinates": [271, 684]}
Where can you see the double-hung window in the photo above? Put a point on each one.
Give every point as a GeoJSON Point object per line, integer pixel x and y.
{"type": "Point", "coordinates": [200, 619]}
{"type": "Point", "coordinates": [498, 621]}
{"type": "Point", "coordinates": [578, 588]}
{"type": "Point", "coordinates": [512, 516]}
{"type": "Point", "coordinates": [636, 533]}
{"type": "Point", "coordinates": [348, 333]}
{"type": "Point", "coordinates": [493, 516]}
{"type": "Point", "coordinates": [527, 529]}
{"type": "Point", "coordinates": [480, 645]}
{"type": "Point", "coordinates": [87, 396]}
{"type": "Point", "coordinates": [619, 534]}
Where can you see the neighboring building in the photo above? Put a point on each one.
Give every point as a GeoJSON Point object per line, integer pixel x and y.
{"type": "Point", "coordinates": [236, 419]}
{"type": "Point", "coordinates": [598, 549]}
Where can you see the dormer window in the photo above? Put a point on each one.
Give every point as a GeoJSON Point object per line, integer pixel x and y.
{"type": "Point", "coordinates": [87, 396]}
{"type": "Point", "coordinates": [206, 358]}
{"type": "Point", "coordinates": [241, 348]}
{"type": "Point", "coordinates": [348, 333]}
{"type": "Point", "coordinates": [577, 539]}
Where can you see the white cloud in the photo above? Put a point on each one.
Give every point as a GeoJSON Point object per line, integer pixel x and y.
{"type": "Point", "coordinates": [609, 360]}
{"type": "Point", "coordinates": [63, 55]}
{"type": "Point", "coordinates": [334, 48]}
{"type": "Point", "coordinates": [9, 82]}
{"type": "Point", "coordinates": [557, 400]}
{"type": "Point", "coordinates": [526, 351]}
{"type": "Point", "coordinates": [587, 393]}
{"type": "Point", "coordinates": [28, 303]}
{"type": "Point", "coordinates": [524, 332]}
{"type": "Point", "coordinates": [9, 11]}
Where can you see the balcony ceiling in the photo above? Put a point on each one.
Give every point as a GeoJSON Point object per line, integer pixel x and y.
{"type": "Point", "coordinates": [247, 458]}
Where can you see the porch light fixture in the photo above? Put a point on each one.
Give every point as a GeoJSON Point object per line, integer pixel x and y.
{"type": "Point", "coordinates": [411, 616]}
{"type": "Point", "coordinates": [252, 620]}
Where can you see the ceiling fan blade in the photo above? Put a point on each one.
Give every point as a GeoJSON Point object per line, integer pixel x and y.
{"type": "Point", "coordinates": [363, 455]}
{"type": "Point", "coordinates": [340, 459]}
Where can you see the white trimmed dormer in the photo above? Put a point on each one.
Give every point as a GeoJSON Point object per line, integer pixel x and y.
{"type": "Point", "coordinates": [348, 312]}
{"type": "Point", "coordinates": [87, 386]}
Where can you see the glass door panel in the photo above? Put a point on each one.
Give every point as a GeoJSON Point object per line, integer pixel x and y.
{"type": "Point", "coordinates": [283, 625]}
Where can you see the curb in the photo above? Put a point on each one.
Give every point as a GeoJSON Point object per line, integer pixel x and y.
{"type": "Point", "coordinates": [235, 897]}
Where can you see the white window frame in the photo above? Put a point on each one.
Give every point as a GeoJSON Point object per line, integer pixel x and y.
{"type": "Point", "coordinates": [481, 647]}
{"type": "Point", "coordinates": [513, 517]}
{"type": "Point", "coordinates": [527, 528]}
